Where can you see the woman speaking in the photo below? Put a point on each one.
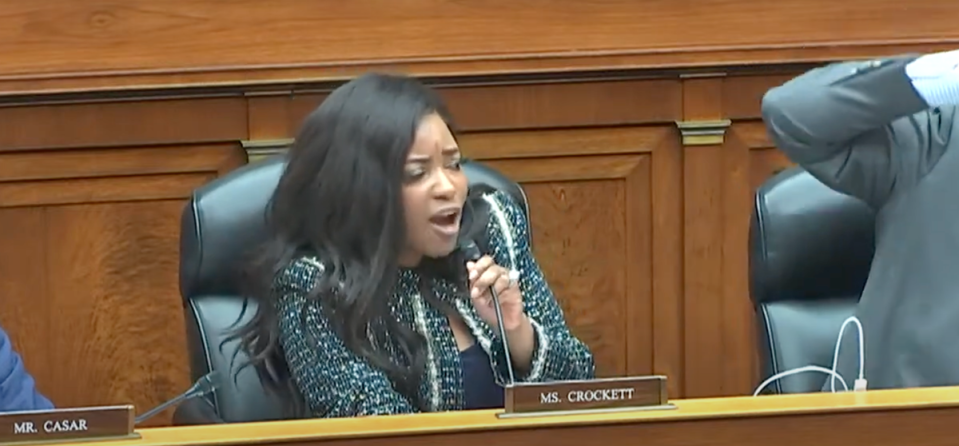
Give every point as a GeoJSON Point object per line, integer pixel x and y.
{"type": "Point", "coordinates": [362, 290]}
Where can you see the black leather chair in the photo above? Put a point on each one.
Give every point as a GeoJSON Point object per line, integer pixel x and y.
{"type": "Point", "coordinates": [810, 252]}
{"type": "Point", "coordinates": [222, 221]}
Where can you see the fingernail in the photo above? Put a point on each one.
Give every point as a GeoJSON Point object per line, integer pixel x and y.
{"type": "Point", "coordinates": [472, 275]}
{"type": "Point", "coordinates": [475, 292]}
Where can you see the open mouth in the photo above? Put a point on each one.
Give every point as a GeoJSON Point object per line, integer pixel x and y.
{"type": "Point", "coordinates": [446, 221]}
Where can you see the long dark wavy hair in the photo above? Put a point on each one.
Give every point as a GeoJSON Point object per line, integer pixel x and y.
{"type": "Point", "coordinates": [340, 198]}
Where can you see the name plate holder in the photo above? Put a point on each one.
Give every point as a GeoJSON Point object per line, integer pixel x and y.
{"type": "Point", "coordinates": [581, 397]}
{"type": "Point", "coordinates": [68, 425]}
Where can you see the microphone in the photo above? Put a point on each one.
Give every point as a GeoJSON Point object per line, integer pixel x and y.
{"type": "Point", "coordinates": [472, 253]}
{"type": "Point", "coordinates": [203, 386]}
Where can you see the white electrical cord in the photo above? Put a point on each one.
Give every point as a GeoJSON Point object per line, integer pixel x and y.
{"type": "Point", "coordinates": [798, 370]}
{"type": "Point", "coordinates": [858, 386]}
{"type": "Point", "coordinates": [861, 380]}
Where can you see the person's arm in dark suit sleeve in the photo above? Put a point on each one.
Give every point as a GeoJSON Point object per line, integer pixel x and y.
{"type": "Point", "coordinates": [17, 389]}
{"type": "Point", "coordinates": [867, 129]}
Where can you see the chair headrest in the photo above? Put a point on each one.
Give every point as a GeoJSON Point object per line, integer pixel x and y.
{"type": "Point", "coordinates": [807, 241]}
{"type": "Point", "coordinates": [227, 217]}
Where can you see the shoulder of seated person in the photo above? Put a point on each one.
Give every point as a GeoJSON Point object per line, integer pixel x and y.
{"type": "Point", "coordinates": [504, 201]}
{"type": "Point", "coordinates": [512, 211]}
{"type": "Point", "coordinates": [301, 274]}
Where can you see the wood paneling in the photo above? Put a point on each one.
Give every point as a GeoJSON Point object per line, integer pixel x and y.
{"type": "Point", "coordinates": [175, 34]}
{"type": "Point", "coordinates": [99, 124]}
{"type": "Point", "coordinates": [89, 266]}
{"type": "Point", "coordinates": [83, 45]}
{"type": "Point", "coordinates": [112, 112]}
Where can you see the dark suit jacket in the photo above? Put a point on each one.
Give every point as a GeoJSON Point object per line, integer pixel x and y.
{"type": "Point", "coordinates": [863, 129]}
{"type": "Point", "coordinates": [17, 390]}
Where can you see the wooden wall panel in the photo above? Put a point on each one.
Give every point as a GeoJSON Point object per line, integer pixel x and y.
{"type": "Point", "coordinates": [98, 124]}
{"type": "Point", "coordinates": [83, 45]}
{"type": "Point", "coordinates": [89, 267]}
{"type": "Point", "coordinates": [606, 287]}
{"type": "Point", "coordinates": [71, 35]}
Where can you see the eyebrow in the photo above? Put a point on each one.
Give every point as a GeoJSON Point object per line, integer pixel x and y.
{"type": "Point", "coordinates": [452, 150]}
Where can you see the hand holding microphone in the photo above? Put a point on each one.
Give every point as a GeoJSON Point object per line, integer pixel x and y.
{"type": "Point", "coordinates": [485, 278]}
{"type": "Point", "coordinates": [495, 294]}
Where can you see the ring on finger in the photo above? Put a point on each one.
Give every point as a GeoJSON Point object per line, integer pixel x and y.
{"type": "Point", "coordinates": [502, 283]}
{"type": "Point", "coordinates": [513, 277]}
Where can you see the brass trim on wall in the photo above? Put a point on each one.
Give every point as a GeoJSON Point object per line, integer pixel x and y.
{"type": "Point", "coordinates": [257, 149]}
{"type": "Point", "coordinates": [703, 133]}
{"type": "Point", "coordinates": [702, 74]}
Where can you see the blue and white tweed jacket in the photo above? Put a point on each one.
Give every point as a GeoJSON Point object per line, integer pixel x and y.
{"type": "Point", "coordinates": [337, 383]}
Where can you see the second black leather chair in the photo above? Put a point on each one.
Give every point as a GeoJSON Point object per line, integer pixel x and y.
{"type": "Point", "coordinates": [810, 252]}
{"type": "Point", "coordinates": [221, 223]}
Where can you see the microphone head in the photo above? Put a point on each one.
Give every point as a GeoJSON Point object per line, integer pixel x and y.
{"type": "Point", "coordinates": [471, 251]}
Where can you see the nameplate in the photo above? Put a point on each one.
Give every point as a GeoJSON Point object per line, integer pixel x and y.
{"type": "Point", "coordinates": [599, 395]}
{"type": "Point", "coordinates": [49, 426]}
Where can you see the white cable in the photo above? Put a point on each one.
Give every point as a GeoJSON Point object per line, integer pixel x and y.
{"type": "Point", "coordinates": [860, 384]}
{"type": "Point", "coordinates": [796, 371]}
{"type": "Point", "coordinates": [861, 380]}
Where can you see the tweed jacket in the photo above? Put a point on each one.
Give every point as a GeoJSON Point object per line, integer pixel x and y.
{"type": "Point", "coordinates": [337, 383]}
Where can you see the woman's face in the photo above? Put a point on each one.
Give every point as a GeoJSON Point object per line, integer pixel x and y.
{"type": "Point", "coordinates": [434, 191]}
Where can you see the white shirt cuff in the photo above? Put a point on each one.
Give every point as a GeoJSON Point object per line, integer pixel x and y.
{"type": "Point", "coordinates": [936, 78]}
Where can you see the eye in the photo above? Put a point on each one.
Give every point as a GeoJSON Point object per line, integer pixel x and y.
{"type": "Point", "coordinates": [455, 164]}
{"type": "Point", "coordinates": [412, 175]}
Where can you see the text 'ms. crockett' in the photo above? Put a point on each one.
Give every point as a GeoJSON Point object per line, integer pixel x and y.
{"type": "Point", "coordinates": [583, 396]}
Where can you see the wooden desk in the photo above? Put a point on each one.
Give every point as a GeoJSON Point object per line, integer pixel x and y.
{"type": "Point", "coordinates": [896, 417]}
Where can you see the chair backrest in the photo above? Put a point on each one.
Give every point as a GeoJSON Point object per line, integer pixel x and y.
{"type": "Point", "coordinates": [222, 222]}
{"type": "Point", "coordinates": [810, 252]}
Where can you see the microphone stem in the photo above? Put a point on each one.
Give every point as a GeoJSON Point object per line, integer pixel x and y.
{"type": "Point", "coordinates": [152, 412]}
{"type": "Point", "coordinates": [502, 335]}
